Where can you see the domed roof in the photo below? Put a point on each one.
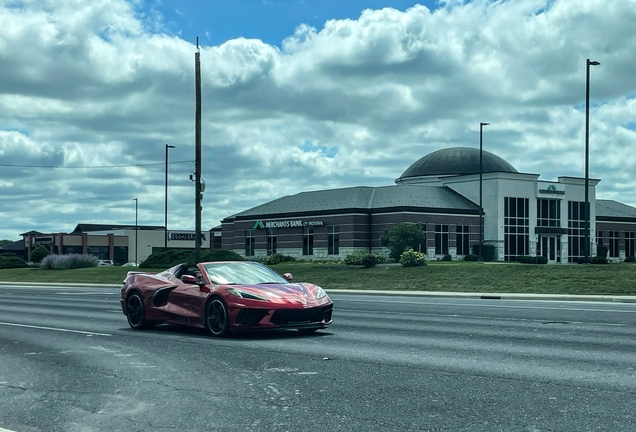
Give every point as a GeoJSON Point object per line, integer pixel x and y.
{"type": "Point", "coordinates": [457, 161]}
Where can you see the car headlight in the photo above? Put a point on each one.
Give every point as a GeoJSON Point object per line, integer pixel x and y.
{"type": "Point", "coordinates": [246, 295]}
{"type": "Point", "coordinates": [320, 293]}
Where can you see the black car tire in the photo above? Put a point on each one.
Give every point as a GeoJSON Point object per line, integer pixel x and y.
{"type": "Point", "coordinates": [136, 312]}
{"type": "Point", "coordinates": [217, 320]}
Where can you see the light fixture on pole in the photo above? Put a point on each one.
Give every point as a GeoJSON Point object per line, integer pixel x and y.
{"type": "Point", "coordinates": [165, 196]}
{"type": "Point", "coordinates": [136, 227]}
{"type": "Point", "coordinates": [586, 241]}
{"type": "Point", "coordinates": [481, 207]}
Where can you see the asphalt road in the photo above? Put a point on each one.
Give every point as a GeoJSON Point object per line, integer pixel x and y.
{"type": "Point", "coordinates": [69, 362]}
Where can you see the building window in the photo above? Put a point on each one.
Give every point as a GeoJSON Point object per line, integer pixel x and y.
{"type": "Point", "coordinates": [441, 239]}
{"type": "Point", "coordinates": [516, 227]}
{"type": "Point", "coordinates": [576, 230]}
{"type": "Point", "coordinates": [101, 252]}
{"type": "Point", "coordinates": [271, 241]}
{"type": "Point", "coordinates": [613, 244]}
{"type": "Point", "coordinates": [308, 241]}
{"type": "Point", "coordinates": [333, 240]}
{"type": "Point", "coordinates": [548, 213]}
{"type": "Point", "coordinates": [599, 238]}
{"type": "Point", "coordinates": [630, 236]}
{"type": "Point", "coordinates": [463, 239]}
{"type": "Point", "coordinates": [250, 241]}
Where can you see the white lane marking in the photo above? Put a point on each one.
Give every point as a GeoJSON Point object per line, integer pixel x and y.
{"type": "Point", "coordinates": [87, 293]}
{"type": "Point", "coordinates": [54, 329]}
{"type": "Point", "coordinates": [477, 317]}
{"type": "Point", "coordinates": [492, 305]}
{"type": "Point", "coordinates": [307, 373]}
{"type": "Point", "coordinates": [5, 430]}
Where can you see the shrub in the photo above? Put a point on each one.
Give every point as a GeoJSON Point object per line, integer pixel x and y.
{"type": "Point", "coordinates": [38, 254]}
{"type": "Point", "coordinates": [411, 258]}
{"type": "Point", "coordinates": [357, 258]}
{"type": "Point", "coordinates": [447, 257]}
{"type": "Point", "coordinates": [630, 259]}
{"type": "Point", "coordinates": [488, 252]}
{"type": "Point", "coordinates": [526, 259]}
{"type": "Point", "coordinates": [354, 258]}
{"type": "Point", "coordinates": [403, 237]}
{"type": "Point", "coordinates": [471, 257]}
{"type": "Point", "coordinates": [277, 258]}
{"type": "Point", "coordinates": [12, 262]}
{"type": "Point", "coordinates": [369, 260]}
{"type": "Point", "coordinates": [599, 260]}
{"type": "Point", "coordinates": [65, 262]}
{"type": "Point", "coordinates": [171, 258]}
{"type": "Point", "coordinates": [601, 251]}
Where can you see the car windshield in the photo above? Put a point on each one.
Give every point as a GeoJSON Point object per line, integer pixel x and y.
{"type": "Point", "coordinates": [241, 273]}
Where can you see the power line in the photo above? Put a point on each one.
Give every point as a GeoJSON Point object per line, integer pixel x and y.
{"type": "Point", "coordinates": [94, 166]}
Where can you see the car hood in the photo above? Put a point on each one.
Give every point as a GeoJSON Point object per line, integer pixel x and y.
{"type": "Point", "coordinates": [295, 293]}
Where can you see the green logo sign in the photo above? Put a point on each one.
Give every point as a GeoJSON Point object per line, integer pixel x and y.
{"type": "Point", "coordinates": [258, 224]}
{"type": "Point", "coordinates": [552, 188]}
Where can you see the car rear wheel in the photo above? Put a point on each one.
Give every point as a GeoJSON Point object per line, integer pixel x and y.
{"type": "Point", "coordinates": [136, 312]}
{"type": "Point", "coordinates": [216, 318]}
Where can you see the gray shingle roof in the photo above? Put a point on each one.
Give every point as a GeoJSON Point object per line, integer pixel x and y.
{"type": "Point", "coordinates": [364, 197]}
{"type": "Point", "coordinates": [611, 208]}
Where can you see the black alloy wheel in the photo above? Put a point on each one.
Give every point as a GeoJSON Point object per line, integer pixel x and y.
{"type": "Point", "coordinates": [216, 318]}
{"type": "Point", "coordinates": [136, 313]}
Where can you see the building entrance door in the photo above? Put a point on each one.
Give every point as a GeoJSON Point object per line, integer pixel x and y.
{"type": "Point", "coordinates": [550, 247]}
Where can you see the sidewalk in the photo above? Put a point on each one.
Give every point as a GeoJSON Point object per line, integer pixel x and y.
{"type": "Point", "coordinates": [450, 294]}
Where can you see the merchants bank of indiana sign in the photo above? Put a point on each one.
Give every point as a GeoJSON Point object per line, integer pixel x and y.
{"type": "Point", "coordinates": [552, 190]}
{"type": "Point", "coordinates": [286, 224]}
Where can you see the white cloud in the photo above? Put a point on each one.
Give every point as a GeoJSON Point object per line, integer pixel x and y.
{"type": "Point", "coordinates": [91, 83]}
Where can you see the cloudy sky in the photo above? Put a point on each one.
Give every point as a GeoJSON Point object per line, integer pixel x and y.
{"type": "Point", "coordinates": [297, 95]}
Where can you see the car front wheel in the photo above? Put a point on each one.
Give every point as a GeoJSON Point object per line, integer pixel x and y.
{"type": "Point", "coordinates": [136, 312]}
{"type": "Point", "coordinates": [216, 318]}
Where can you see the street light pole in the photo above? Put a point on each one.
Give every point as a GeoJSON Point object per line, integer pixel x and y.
{"type": "Point", "coordinates": [165, 246]}
{"type": "Point", "coordinates": [136, 226]}
{"type": "Point", "coordinates": [586, 244]}
{"type": "Point", "coordinates": [481, 207]}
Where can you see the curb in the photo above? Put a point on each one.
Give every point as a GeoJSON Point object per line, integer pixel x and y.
{"type": "Point", "coordinates": [439, 294]}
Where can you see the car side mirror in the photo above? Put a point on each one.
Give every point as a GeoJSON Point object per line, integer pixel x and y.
{"type": "Point", "coordinates": [288, 277]}
{"type": "Point", "coordinates": [189, 279]}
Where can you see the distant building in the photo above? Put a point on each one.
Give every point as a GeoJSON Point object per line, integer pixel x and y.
{"type": "Point", "coordinates": [523, 215]}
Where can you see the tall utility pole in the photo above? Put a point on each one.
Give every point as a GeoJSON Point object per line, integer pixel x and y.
{"type": "Point", "coordinates": [136, 228]}
{"type": "Point", "coordinates": [481, 207]}
{"type": "Point", "coordinates": [586, 240]}
{"type": "Point", "coordinates": [197, 154]}
{"type": "Point", "coordinates": [165, 197]}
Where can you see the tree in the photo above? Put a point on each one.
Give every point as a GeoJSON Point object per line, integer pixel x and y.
{"type": "Point", "coordinates": [5, 242]}
{"type": "Point", "coordinates": [38, 254]}
{"type": "Point", "coordinates": [403, 237]}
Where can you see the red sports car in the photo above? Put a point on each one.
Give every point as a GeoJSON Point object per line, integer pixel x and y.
{"type": "Point", "coordinates": [224, 296]}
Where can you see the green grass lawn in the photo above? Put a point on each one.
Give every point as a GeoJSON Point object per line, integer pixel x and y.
{"type": "Point", "coordinates": [438, 276]}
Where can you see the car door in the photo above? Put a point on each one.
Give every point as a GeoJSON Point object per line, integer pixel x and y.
{"type": "Point", "coordinates": [186, 304]}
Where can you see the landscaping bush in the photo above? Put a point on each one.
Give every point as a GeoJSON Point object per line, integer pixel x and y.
{"type": "Point", "coordinates": [630, 259]}
{"type": "Point", "coordinates": [12, 262]}
{"type": "Point", "coordinates": [38, 254]}
{"type": "Point", "coordinates": [277, 258]}
{"type": "Point", "coordinates": [488, 252]}
{"type": "Point", "coordinates": [447, 257]}
{"type": "Point", "coordinates": [601, 251]}
{"type": "Point", "coordinates": [471, 257]}
{"type": "Point", "coordinates": [356, 258]}
{"type": "Point", "coordinates": [369, 260]}
{"type": "Point", "coordinates": [170, 258]}
{"type": "Point", "coordinates": [65, 262]}
{"type": "Point", "coordinates": [403, 237]}
{"type": "Point", "coordinates": [599, 260]}
{"type": "Point", "coordinates": [411, 258]}
{"type": "Point", "coordinates": [526, 259]}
